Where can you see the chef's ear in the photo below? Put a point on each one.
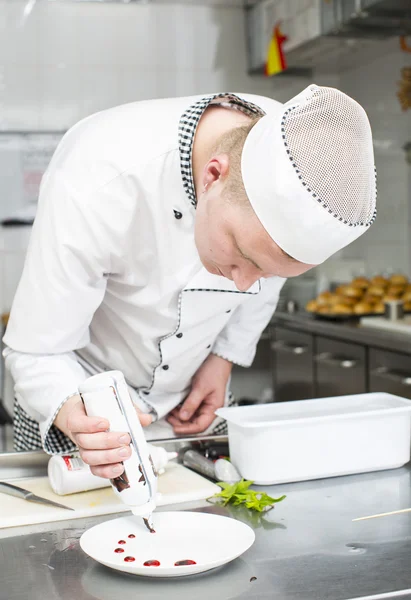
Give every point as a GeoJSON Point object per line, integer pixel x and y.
{"type": "Point", "coordinates": [215, 169]}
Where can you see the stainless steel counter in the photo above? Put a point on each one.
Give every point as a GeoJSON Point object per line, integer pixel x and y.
{"type": "Point", "coordinates": [307, 548]}
{"type": "Point", "coordinates": [350, 331]}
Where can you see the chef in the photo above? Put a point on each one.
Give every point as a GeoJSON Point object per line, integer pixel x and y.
{"type": "Point", "coordinates": [165, 231]}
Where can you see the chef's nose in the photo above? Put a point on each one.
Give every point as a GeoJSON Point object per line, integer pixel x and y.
{"type": "Point", "coordinates": [244, 279]}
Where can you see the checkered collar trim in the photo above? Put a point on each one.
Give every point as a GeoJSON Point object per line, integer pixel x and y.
{"type": "Point", "coordinates": [188, 126]}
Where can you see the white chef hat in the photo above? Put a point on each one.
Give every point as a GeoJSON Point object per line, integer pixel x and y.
{"type": "Point", "coordinates": [309, 173]}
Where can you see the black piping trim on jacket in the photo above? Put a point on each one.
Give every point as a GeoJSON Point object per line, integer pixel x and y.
{"type": "Point", "coordinates": [179, 320]}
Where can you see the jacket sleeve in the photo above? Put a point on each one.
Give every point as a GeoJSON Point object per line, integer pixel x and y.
{"type": "Point", "coordinates": [63, 283]}
{"type": "Point", "coordinates": [237, 342]}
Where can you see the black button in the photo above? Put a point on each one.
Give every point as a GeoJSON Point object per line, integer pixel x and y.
{"type": "Point", "coordinates": [146, 392]}
{"type": "Point", "coordinates": [177, 214]}
{"type": "Point", "coordinates": [209, 346]}
{"type": "Point", "coordinates": [166, 367]}
{"type": "Point", "coordinates": [179, 335]}
{"type": "Point", "coordinates": [228, 310]}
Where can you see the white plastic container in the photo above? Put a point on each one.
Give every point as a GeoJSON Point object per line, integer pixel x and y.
{"type": "Point", "coordinates": [313, 439]}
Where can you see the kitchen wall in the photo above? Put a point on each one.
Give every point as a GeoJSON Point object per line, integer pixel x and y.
{"type": "Point", "coordinates": [65, 60]}
{"type": "Point", "coordinates": [387, 245]}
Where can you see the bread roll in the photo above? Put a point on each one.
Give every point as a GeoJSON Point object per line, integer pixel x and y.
{"type": "Point", "coordinates": [323, 310]}
{"type": "Point", "coordinates": [407, 296]}
{"type": "Point", "coordinates": [340, 289]}
{"type": "Point", "coordinates": [342, 309]}
{"type": "Point", "coordinates": [352, 292]}
{"type": "Point", "coordinates": [323, 298]}
{"type": "Point", "coordinates": [407, 306]}
{"type": "Point", "coordinates": [399, 279]}
{"type": "Point", "coordinates": [371, 299]}
{"type": "Point", "coordinates": [340, 299]}
{"type": "Point", "coordinates": [311, 306]}
{"type": "Point", "coordinates": [395, 290]}
{"type": "Point", "coordinates": [389, 297]}
{"type": "Point", "coordinates": [379, 308]}
{"type": "Point", "coordinates": [361, 282]}
{"type": "Point", "coordinates": [363, 308]}
{"type": "Point", "coordinates": [379, 280]}
{"type": "Point", "coordinates": [376, 290]}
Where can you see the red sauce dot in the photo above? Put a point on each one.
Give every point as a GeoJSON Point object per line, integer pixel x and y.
{"type": "Point", "coordinates": [129, 559]}
{"type": "Point", "coordinates": [118, 550]}
{"type": "Point", "coordinates": [152, 563]}
{"type": "Point", "coordinates": [121, 541]}
{"type": "Point", "coordinates": [131, 535]}
{"type": "Point", "coordinates": [181, 563]}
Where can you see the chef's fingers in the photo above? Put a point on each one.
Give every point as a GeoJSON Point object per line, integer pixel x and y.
{"type": "Point", "coordinates": [102, 441]}
{"type": "Point", "coordinates": [174, 420]}
{"type": "Point", "coordinates": [197, 425]}
{"type": "Point", "coordinates": [108, 471]}
{"type": "Point", "coordinates": [79, 422]}
{"type": "Point", "coordinates": [145, 419]}
{"type": "Point", "coordinates": [191, 403]}
{"type": "Point", "coordinates": [105, 457]}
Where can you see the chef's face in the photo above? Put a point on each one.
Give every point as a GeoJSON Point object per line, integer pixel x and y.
{"type": "Point", "coordinates": [232, 242]}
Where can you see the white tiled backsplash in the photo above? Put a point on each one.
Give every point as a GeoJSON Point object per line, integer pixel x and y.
{"type": "Point", "coordinates": [67, 60]}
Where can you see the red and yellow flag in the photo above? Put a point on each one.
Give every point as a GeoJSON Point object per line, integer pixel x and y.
{"type": "Point", "coordinates": [275, 57]}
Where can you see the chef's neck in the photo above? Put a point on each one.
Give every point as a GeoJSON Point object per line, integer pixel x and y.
{"type": "Point", "coordinates": [215, 121]}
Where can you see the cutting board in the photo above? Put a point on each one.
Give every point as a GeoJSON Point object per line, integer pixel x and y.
{"type": "Point", "coordinates": [178, 484]}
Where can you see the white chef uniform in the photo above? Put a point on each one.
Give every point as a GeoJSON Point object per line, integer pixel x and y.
{"type": "Point", "coordinates": [113, 279]}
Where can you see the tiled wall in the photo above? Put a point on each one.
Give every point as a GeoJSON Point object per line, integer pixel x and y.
{"type": "Point", "coordinates": [66, 60]}
{"type": "Point", "coordinates": [374, 85]}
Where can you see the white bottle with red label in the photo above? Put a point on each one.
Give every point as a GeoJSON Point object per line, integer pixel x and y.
{"type": "Point", "coordinates": [106, 395]}
{"type": "Point", "coordinates": [70, 475]}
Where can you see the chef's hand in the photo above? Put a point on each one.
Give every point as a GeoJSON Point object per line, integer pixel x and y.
{"type": "Point", "coordinates": [207, 394]}
{"type": "Point", "coordinates": [103, 450]}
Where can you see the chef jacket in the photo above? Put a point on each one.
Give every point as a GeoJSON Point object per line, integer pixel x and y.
{"type": "Point", "coordinates": [113, 279]}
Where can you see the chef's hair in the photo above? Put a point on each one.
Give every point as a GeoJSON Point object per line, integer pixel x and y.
{"type": "Point", "coordinates": [231, 143]}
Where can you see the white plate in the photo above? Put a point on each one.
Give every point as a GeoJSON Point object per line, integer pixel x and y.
{"type": "Point", "coordinates": [209, 540]}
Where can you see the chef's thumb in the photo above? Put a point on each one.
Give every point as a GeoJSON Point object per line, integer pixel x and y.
{"type": "Point", "coordinates": [145, 419]}
{"type": "Point", "coordinates": [192, 402]}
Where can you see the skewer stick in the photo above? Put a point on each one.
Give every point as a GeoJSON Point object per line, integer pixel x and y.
{"type": "Point", "coordinates": [394, 512]}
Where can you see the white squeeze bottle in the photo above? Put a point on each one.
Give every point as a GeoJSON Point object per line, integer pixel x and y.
{"type": "Point", "coordinates": [106, 395]}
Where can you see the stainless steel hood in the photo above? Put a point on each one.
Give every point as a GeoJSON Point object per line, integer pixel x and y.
{"type": "Point", "coordinates": [375, 19]}
{"type": "Point", "coordinates": [335, 34]}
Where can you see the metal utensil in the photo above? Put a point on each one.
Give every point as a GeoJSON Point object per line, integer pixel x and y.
{"type": "Point", "coordinates": [13, 490]}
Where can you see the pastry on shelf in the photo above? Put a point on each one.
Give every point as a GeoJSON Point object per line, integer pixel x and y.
{"type": "Point", "coordinates": [341, 309]}
{"type": "Point", "coordinates": [395, 290]}
{"type": "Point", "coordinates": [312, 306]}
{"type": "Point", "coordinates": [398, 279]}
{"type": "Point", "coordinates": [389, 297]}
{"type": "Point", "coordinates": [379, 280]}
{"type": "Point", "coordinates": [360, 282]}
{"type": "Point", "coordinates": [363, 308]}
{"type": "Point", "coordinates": [323, 298]}
{"type": "Point", "coordinates": [352, 291]}
{"type": "Point", "coordinates": [376, 290]}
{"type": "Point", "coordinates": [379, 308]}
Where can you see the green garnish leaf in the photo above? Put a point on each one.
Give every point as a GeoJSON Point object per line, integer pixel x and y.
{"type": "Point", "coordinates": [239, 493]}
